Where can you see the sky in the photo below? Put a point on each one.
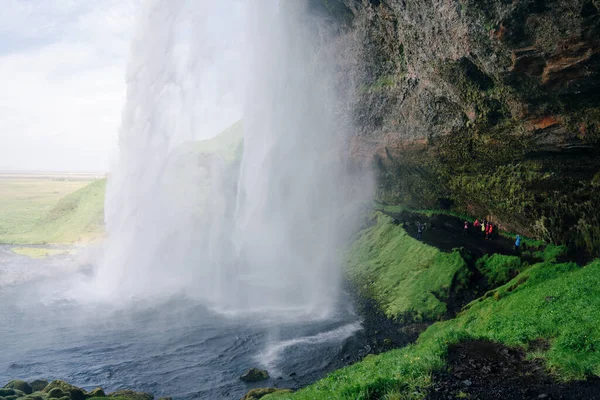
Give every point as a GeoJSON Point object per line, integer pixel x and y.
{"type": "Point", "coordinates": [62, 82]}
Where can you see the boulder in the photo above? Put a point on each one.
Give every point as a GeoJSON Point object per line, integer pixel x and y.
{"type": "Point", "coordinates": [98, 392]}
{"type": "Point", "coordinates": [38, 385]}
{"type": "Point", "coordinates": [73, 392]}
{"type": "Point", "coordinates": [131, 395]}
{"type": "Point", "coordinates": [256, 394]}
{"type": "Point", "coordinates": [255, 375]}
{"type": "Point", "coordinates": [56, 393]}
{"type": "Point", "coordinates": [36, 396]}
{"type": "Point", "coordinates": [19, 385]}
{"type": "Point", "coordinates": [11, 392]}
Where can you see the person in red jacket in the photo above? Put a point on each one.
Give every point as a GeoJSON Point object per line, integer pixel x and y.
{"type": "Point", "coordinates": [488, 231]}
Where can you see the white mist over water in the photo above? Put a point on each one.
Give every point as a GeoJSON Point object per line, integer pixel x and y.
{"type": "Point", "coordinates": [177, 221]}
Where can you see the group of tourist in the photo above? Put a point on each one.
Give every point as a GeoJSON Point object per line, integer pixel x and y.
{"type": "Point", "coordinates": [487, 228]}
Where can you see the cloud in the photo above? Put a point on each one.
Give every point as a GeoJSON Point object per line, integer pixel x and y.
{"type": "Point", "coordinates": [62, 82]}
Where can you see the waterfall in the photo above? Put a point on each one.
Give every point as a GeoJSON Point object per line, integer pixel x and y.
{"type": "Point", "coordinates": [261, 234]}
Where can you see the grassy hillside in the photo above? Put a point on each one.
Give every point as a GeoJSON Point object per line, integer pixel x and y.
{"type": "Point", "coordinates": [227, 144]}
{"type": "Point", "coordinates": [24, 201]}
{"type": "Point", "coordinates": [550, 303]}
{"type": "Point", "coordinates": [38, 213]}
{"type": "Point", "coordinates": [408, 279]}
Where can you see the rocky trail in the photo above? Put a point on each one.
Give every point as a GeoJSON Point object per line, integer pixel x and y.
{"type": "Point", "coordinates": [446, 233]}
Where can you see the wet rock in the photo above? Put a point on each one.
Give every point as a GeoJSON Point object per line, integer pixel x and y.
{"type": "Point", "coordinates": [38, 385]}
{"type": "Point", "coordinates": [20, 385]}
{"type": "Point", "coordinates": [73, 392]}
{"type": "Point", "coordinates": [542, 396]}
{"type": "Point", "coordinates": [166, 398]}
{"type": "Point", "coordinates": [56, 393]}
{"type": "Point", "coordinates": [255, 375]}
{"type": "Point", "coordinates": [131, 395]}
{"type": "Point", "coordinates": [36, 396]}
{"type": "Point", "coordinates": [467, 383]}
{"type": "Point", "coordinates": [98, 392]}
{"type": "Point", "coordinates": [7, 393]}
{"type": "Point", "coordinates": [256, 394]}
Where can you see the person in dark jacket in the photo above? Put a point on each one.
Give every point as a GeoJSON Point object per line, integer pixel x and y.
{"type": "Point", "coordinates": [419, 230]}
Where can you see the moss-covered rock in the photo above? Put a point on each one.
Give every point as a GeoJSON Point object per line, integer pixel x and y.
{"type": "Point", "coordinates": [36, 396]}
{"type": "Point", "coordinates": [254, 375]}
{"type": "Point", "coordinates": [131, 395]}
{"type": "Point", "coordinates": [8, 392]}
{"type": "Point", "coordinates": [38, 385]}
{"type": "Point", "coordinates": [258, 393]}
{"type": "Point", "coordinates": [73, 392]}
{"type": "Point", "coordinates": [20, 385]}
{"type": "Point", "coordinates": [98, 392]}
{"type": "Point", "coordinates": [497, 114]}
{"type": "Point", "coordinates": [56, 393]}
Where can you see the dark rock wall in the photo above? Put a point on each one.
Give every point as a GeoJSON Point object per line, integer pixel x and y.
{"type": "Point", "coordinates": [485, 106]}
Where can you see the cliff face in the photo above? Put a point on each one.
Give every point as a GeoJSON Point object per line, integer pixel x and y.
{"type": "Point", "coordinates": [485, 106]}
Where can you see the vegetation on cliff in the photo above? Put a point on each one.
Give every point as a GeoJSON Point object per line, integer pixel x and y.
{"type": "Point", "coordinates": [549, 309]}
{"type": "Point", "coordinates": [408, 280]}
{"type": "Point", "coordinates": [487, 108]}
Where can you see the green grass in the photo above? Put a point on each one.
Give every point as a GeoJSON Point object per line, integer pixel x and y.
{"type": "Point", "coordinates": [25, 201]}
{"type": "Point", "coordinates": [558, 303]}
{"type": "Point", "coordinates": [499, 268]}
{"type": "Point", "coordinates": [407, 278]}
{"type": "Point", "coordinates": [38, 252]}
{"type": "Point", "coordinates": [44, 218]}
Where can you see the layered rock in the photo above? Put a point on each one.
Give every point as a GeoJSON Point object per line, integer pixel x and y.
{"type": "Point", "coordinates": [490, 107]}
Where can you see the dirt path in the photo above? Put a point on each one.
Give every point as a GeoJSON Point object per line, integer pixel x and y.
{"type": "Point", "coordinates": [446, 233]}
{"type": "Point", "coordinates": [490, 371]}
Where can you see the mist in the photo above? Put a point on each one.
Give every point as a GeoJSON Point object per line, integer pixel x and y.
{"type": "Point", "coordinates": [263, 234]}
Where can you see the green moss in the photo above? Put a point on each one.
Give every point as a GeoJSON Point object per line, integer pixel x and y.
{"type": "Point", "coordinates": [559, 303]}
{"type": "Point", "coordinates": [407, 278]}
{"type": "Point", "coordinates": [551, 253]}
{"type": "Point", "coordinates": [499, 268]}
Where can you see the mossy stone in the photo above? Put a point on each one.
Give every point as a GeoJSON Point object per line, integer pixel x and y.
{"type": "Point", "coordinates": [258, 393]}
{"type": "Point", "coordinates": [19, 385]}
{"type": "Point", "coordinates": [131, 395]}
{"type": "Point", "coordinates": [36, 396]}
{"type": "Point", "coordinates": [255, 375]}
{"type": "Point", "coordinates": [8, 392]}
{"type": "Point", "coordinates": [38, 385]}
{"type": "Point", "coordinates": [98, 392]}
{"type": "Point", "coordinates": [56, 393]}
{"type": "Point", "coordinates": [69, 390]}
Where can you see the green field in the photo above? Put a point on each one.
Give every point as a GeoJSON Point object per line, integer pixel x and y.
{"type": "Point", "coordinates": [50, 209]}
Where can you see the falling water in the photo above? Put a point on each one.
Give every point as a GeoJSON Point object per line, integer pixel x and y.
{"type": "Point", "coordinates": [261, 235]}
